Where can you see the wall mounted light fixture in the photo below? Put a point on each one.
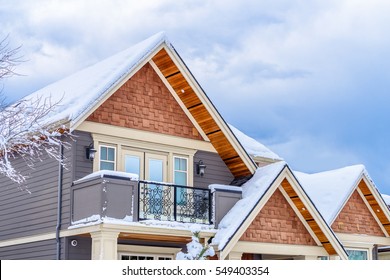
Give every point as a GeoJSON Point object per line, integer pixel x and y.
{"type": "Point", "coordinates": [90, 152]}
{"type": "Point", "coordinates": [200, 168]}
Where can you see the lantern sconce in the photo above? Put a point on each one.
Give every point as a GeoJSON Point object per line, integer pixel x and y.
{"type": "Point", "coordinates": [200, 168]}
{"type": "Point", "coordinates": [90, 152]}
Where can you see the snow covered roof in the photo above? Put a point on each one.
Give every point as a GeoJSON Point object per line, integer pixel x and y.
{"type": "Point", "coordinates": [330, 190]}
{"type": "Point", "coordinates": [252, 192]}
{"type": "Point", "coordinates": [253, 147]}
{"type": "Point", "coordinates": [79, 92]}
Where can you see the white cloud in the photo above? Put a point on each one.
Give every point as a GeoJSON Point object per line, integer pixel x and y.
{"type": "Point", "coordinates": [291, 72]}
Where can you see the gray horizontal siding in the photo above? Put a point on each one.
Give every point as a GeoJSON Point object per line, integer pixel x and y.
{"type": "Point", "coordinates": [24, 214]}
{"type": "Point", "coordinates": [82, 165]}
{"type": "Point", "coordinates": [216, 170]}
{"type": "Point", "coordinates": [80, 252]}
{"type": "Point", "coordinates": [40, 250]}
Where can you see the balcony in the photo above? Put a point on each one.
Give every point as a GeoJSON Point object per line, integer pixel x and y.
{"type": "Point", "coordinates": [118, 198]}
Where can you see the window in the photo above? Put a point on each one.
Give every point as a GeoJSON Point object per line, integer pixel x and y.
{"type": "Point", "coordinates": [137, 257]}
{"type": "Point", "coordinates": [357, 254]}
{"type": "Point", "coordinates": [180, 175]}
{"type": "Point", "coordinates": [107, 158]}
{"type": "Point", "coordinates": [180, 171]}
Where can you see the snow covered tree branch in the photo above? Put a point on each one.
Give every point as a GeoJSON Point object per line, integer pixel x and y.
{"type": "Point", "coordinates": [24, 132]}
{"type": "Point", "coordinates": [195, 250]}
{"type": "Point", "coordinates": [9, 59]}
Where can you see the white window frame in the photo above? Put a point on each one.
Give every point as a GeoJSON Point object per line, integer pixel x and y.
{"type": "Point", "coordinates": [123, 145]}
{"type": "Point", "coordinates": [154, 256]}
{"type": "Point", "coordinates": [369, 256]}
{"type": "Point", "coordinates": [174, 170]}
{"type": "Point", "coordinates": [115, 155]}
{"type": "Point", "coordinates": [138, 250]}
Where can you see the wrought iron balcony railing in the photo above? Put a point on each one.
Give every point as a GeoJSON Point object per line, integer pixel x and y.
{"type": "Point", "coordinates": [168, 202]}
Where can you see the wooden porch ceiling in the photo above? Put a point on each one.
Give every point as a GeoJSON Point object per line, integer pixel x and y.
{"type": "Point", "coordinates": [154, 237]}
{"type": "Point", "coordinates": [200, 113]}
{"type": "Point", "coordinates": [308, 217]}
{"type": "Point", "coordinates": [374, 205]}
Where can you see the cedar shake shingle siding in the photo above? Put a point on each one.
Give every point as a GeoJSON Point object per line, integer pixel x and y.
{"type": "Point", "coordinates": [356, 218]}
{"type": "Point", "coordinates": [145, 103]}
{"type": "Point", "coordinates": [278, 223]}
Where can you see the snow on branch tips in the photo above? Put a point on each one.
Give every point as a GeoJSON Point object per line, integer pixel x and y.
{"type": "Point", "coordinates": [195, 250]}
{"type": "Point", "coordinates": [25, 134]}
{"type": "Point", "coordinates": [8, 59]}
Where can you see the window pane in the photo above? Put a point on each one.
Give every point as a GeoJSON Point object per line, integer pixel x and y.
{"type": "Point", "coordinates": [177, 164]}
{"type": "Point", "coordinates": [107, 165]}
{"type": "Point", "coordinates": [132, 164]}
{"type": "Point", "coordinates": [357, 255]}
{"type": "Point", "coordinates": [181, 164]}
{"type": "Point", "coordinates": [103, 153]}
{"type": "Point", "coordinates": [111, 154]}
{"type": "Point", "coordinates": [180, 178]}
{"type": "Point", "coordinates": [156, 170]}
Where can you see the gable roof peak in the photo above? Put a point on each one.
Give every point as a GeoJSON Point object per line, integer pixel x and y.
{"type": "Point", "coordinates": [81, 91]}
{"type": "Point", "coordinates": [330, 189]}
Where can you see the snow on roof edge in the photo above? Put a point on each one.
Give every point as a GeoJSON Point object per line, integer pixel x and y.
{"type": "Point", "coordinates": [253, 147]}
{"type": "Point", "coordinates": [77, 93]}
{"type": "Point", "coordinates": [258, 185]}
{"type": "Point", "coordinates": [330, 199]}
{"type": "Point", "coordinates": [163, 39]}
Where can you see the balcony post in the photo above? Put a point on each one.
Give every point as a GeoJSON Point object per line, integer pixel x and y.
{"type": "Point", "coordinates": [210, 197]}
{"type": "Point", "coordinates": [135, 190]}
{"type": "Point", "coordinates": [174, 203]}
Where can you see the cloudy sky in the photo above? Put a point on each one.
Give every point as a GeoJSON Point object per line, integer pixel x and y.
{"type": "Point", "coordinates": [308, 78]}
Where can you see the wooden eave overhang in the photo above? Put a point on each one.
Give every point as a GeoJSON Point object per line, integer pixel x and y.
{"type": "Point", "coordinates": [308, 217]}
{"type": "Point", "coordinates": [230, 150]}
{"type": "Point", "coordinates": [376, 204]}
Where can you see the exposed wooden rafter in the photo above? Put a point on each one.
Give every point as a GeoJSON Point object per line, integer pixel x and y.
{"type": "Point", "coordinates": [303, 210]}
{"type": "Point", "coordinates": [201, 114]}
{"type": "Point", "coordinates": [375, 207]}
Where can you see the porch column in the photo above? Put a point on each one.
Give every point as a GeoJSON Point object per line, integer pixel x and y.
{"type": "Point", "coordinates": [234, 256]}
{"type": "Point", "coordinates": [104, 245]}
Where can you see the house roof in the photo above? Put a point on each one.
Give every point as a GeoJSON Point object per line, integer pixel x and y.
{"type": "Point", "coordinates": [330, 190]}
{"type": "Point", "coordinates": [81, 93]}
{"type": "Point", "coordinates": [252, 192]}
{"type": "Point", "coordinates": [253, 147]}
{"type": "Point", "coordinates": [255, 194]}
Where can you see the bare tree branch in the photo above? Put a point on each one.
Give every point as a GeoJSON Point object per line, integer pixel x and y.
{"type": "Point", "coordinates": [24, 131]}
{"type": "Point", "coordinates": [9, 59]}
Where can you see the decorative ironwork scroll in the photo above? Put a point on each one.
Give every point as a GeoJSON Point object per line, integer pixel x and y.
{"type": "Point", "coordinates": [167, 202]}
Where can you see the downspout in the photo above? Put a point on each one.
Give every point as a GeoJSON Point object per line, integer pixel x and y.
{"type": "Point", "coordinates": [59, 202]}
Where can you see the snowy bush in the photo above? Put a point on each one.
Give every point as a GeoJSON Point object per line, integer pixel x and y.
{"type": "Point", "coordinates": [195, 250]}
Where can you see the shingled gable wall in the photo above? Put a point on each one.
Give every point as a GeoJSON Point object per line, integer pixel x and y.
{"type": "Point", "coordinates": [278, 223]}
{"type": "Point", "coordinates": [356, 218]}
{"type": "Point", "coordinates": [145, 103]}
